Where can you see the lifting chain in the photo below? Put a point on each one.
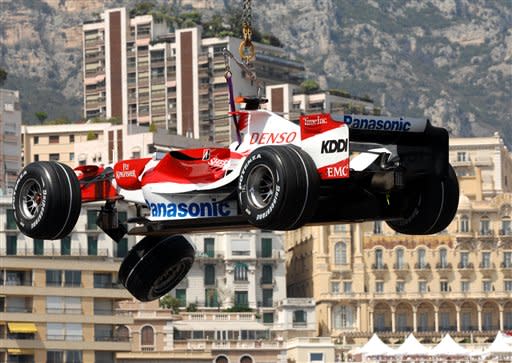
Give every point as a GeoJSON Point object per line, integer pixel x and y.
{"type": "Point", "coordinates": [246, 49]}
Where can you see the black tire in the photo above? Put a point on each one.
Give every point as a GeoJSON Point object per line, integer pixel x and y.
{"type": "Point", "coordinates": [46, 200]}
{"type": "Point", "coordinates": [278, 187]}
{"type": "Point", "coordinates": [435, 209]}
{"type": "Point", "coordinates": [155, 265]}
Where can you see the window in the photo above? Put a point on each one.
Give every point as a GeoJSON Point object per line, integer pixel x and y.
{"type": "Point", "coordinates": [268, 318]}
{"type": "Point", "coordinates": [464, 286]}
{"type": "Point", "coordinates": [36, 157]}
{"type": "Point", "coordinates": [422, 263]}
{"type": "Point", "coordinates": [400, 258]}
{"type": "Point", "coordinates": [72, 278]}
{"type": "Point", "coordinates": [485, 228]}
{"type": "Point", "coordinates": [267, 295]}
{"type": "Point", "coordinates": [11, 222]}
{"type": "Point", "coordinates": [400, 286]}
{"type": "Point", "coordinates": [71, 156]}
{"type": "Point", "coordinates": [65, 246]}
{"type": "Point", "coordinates": [508, 285]}
{"type": "Point", "coordinates": [347, 287]}
{"type": "Point", "coordinates": [316, 357]}
{"type": "Point", "coordinates": [240, 248]}
{"type": "Point", "coordinates": [378, 258]}
{"type": "Point", "coordinates": [209, 274]}
{"type": "Point", "coordinates": [241, 299]}
{"type": "Point", "coordinates": [461, 156]}
{"type": "Point", "coordinates": [61, 331]}
{"type": "Point", "coordinates": [54, 278]}
{"type": "Point", "coordinates": [122, 248]}
{"type": "Point", "coordinates": [487, 285]}
{"type": "Point", "coordinates": [343, 317]}
{"type": "Point", "coordinates": [340, 253]}
{"type": "Point", "coordinates": [36, 140]}
{"type": "Point", "coordinates": [443, 258]}
{"type": "Point", "coordinates": [377, 227]}
{"type": "Point", "coordinates": [444, 321]}
{"type": "Point", "coordinates": [54, 157]}
{"type": "Point", "coordinates": [299, 318]}
{"type": "Point", "coordinates": [38, 247]}
{"type": "Point", "coordinates": [466, 321]}
{"type": "Point", "coordinates": [209, 247]}
{"type": "Point", "coordinates": [92, 246]}
{"type": "Point", "coordinates": [267, 274]}
{"type": "Point", "coordinates": [181, 296]}
{"type": "Point", "coordinates": [102, 280]}
{"type": "Point", "coordinates": [464, 259]}
{"type": "Point", "coordinates": [12, 245]}
{"type": "Point", "coordinates": [266, 247]}
{"type": "Point", "coordinates": [91, 219]}
{"type": "Point", "coordinates": [147, 336]}
{"type": "Point", "coordinates": [379, 287]}
{"type": "Point", "coordinates": [506, 225]}
{"type": "Point", "coordinates": [422, 286]}
{"type": "Point", "coordinates": [464, 224]}
{"type": "Point", "coordinates": [401, 322]}
{"type": "Point", "coordinates": [486, 259]}
{"type": "Point", "coordinates": [507, 259]}
{"type": "Point", "coordinates": [53, 139]}
{"type": "Point", "coordinates": [71, 139]}
{"type": "Point", "coordinates": [335, 287]}
{"type": "Point", "coordinates": [241, 270]}
{"type": "Point", "coordinates": [444, 286]}
{"type": "Point", "coordinates": [211, 298]}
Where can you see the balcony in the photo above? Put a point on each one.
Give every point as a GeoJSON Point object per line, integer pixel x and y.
{"type": "Point", "coordinates": [444, 266]}
{"type": "Point", "coordinates": [465, 266]}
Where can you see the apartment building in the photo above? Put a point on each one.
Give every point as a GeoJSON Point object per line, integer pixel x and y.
{"type": "Point", "coordinates": [58, 299]}
{"type": "Point", "coordinates": [232, 306]}
{"type": "Point", "coordinates": [10, 149]}
{"type": "Point", "coordinates": [138, 72]}
{"type": "Point", "coordinates": [366, 278]}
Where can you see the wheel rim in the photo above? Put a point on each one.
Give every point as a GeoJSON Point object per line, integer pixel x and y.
{"type": "Point", "coordinates": [31, 198]}
{"type": "Point", "coordinates": [261, 185]}
{"type": "Point", "coordinates": [172, 276]}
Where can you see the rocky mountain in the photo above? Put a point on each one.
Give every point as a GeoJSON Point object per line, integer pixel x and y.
{"type": "Point", "coordinates": [448, 60]}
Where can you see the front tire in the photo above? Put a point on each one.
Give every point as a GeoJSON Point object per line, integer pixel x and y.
{"type": "Point", "coordinates": [278, 187]}
{"type": "Point", "coordinates": [46, 200]}
{"type": "Point", "coordinates": [155, 265]}
{"type": "Point", "coordinates": [435, 207]}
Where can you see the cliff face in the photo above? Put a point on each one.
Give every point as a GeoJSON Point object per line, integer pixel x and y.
{"type": "Point", "coordinates": [449, 60]}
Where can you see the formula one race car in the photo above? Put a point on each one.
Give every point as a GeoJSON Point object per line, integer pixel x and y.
{"type": "Point", "coordinates": [278, 176]}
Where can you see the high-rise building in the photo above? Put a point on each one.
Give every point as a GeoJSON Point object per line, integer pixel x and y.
{"type": "Point", "coordinates": [366, 278]}
{"type": "Point", "coordinates": [138, 72]}
{"type": "Point", "coordinates": [10, 148]}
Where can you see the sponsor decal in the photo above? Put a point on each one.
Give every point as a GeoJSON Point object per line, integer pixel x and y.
{"type": "Point", "coordinates": [339, 170]}
{"type": "Point", "coordinates": [272, 205]}
{"type": "Point", "coordinates": [211, 208]}
{"type": "Point", "coordinates": [206, 154]}
{"type": "Point", "coordinates": [217, 163]}
{"type": "Point", "coordinates": [272, 137]}
{"type": "Point", "coordinates": [381, 124]}
{"type": "Point", "coordinates": [125, 172]}
{"type": "Point", "coordinates": [315, 121]}
{"type": "Point", "coordinates": [334, 146]}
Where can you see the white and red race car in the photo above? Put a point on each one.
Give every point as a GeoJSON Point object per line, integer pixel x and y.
{"type": "Point", "coordinates": [278, 176]}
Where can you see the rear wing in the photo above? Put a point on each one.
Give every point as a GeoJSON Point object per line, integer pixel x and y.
{"type": "Point", "coordinates": [421, 147]}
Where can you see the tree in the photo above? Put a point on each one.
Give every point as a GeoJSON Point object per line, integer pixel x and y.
{"type": "Point", "coordinates": [41, 116]}
{"type": "Point", "coordinates": [170, 302]}
{"type": "Point", "coordinates": [309, 86]}
{"type": "Point", "coordinates": [3, 76]}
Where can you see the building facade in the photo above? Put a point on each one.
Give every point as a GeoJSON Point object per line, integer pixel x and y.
{"type": "Point", "coordinates": [138, 72]}
{"type": "Point", "coordinates": [58, 299]}
{"type": "Point", "coordinates": [10, 149]}
{"type": "Point", "coordinates": [365, 278]}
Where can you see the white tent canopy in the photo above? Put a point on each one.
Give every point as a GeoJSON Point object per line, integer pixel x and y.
{"type": "Point", "coordinates": [411, 347]}
{"type": "Point", "coordinates": [501, 345]}
{"type": "Point", "coordinates": [375, 347]}
{"type": "Point", "coordinates": [448, 347]}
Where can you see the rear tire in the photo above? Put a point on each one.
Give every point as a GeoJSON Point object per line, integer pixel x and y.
{"type": "Point", "coordinates": [155, 265]}
{"type": "Point", "coordinates": [278, 187]}
{"type": "Point", "coordinates": [46, 200]}
{"type": "Point", "coordinates": [435, 207]}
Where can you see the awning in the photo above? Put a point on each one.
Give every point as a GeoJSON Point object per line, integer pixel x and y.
{"type": "Point", "coordinates": [18, 351]}
{"type": "Point", "coordinates": [22, 327]}
{"type": "Point", "coordinates": [220, 325]}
